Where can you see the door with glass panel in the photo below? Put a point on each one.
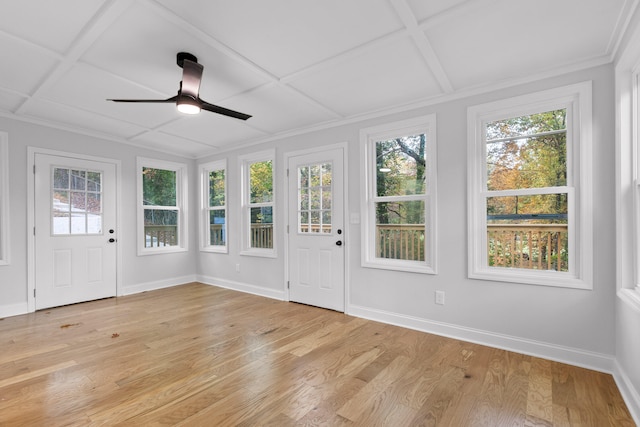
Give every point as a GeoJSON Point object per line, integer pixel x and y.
{"type": "Point", "coordinates": [316, 229]}
{"type": "Point", "coordinates": [75, 230]}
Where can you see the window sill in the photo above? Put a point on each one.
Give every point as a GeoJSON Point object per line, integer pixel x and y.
{"type": "Point", "coordinates": [159, 251]}
{"type": "Point", "coordinates": [408, 267]}
{"type": "Point", "coordinates": [215, 250]}
{"type": "Point", "coordinates": [263, 253]}
{"type": "Point", "coordinates": [525, 277]}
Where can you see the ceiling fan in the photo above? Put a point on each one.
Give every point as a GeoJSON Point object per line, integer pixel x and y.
{"type": "Point", "coordinates": [188, 100]}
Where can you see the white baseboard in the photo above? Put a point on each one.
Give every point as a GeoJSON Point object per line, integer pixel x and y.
{"type": "Point", "coordinates": [629, 393]}
{"type": "Point", "coordinates": [13, 309]}
{"type": "Point", "coordinates": [158, 284]}
{"type": "Point", "coordinates": [586, 359]}
{"type": "Point", "coordinates": [242, 287]}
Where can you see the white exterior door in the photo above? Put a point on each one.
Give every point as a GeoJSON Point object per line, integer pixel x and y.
{"type": "Point", "coordinates": [316, 229]}
{"type": "Point", "coordinates": [75, 230]}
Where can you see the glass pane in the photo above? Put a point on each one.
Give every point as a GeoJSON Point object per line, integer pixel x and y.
{"type": "Point", "coordinates": [78, 180]}
{"type": "Point", "coordinates": [61, 178]}
{"type": "Point", "coordinates": [160, 227]}
{"type": "Point", "coordinates": [400, 230]}
{"type": "Point", "coordinates": [314, 194]}
{"type": "Point", "coordinates": [303, 177]}
{"type": "Point", "coordinates": [400, 166]}
{"type": "Point", "coordinates": [216, 188]}
{"type": "Point", "coordinates": [533, 159]}
{"type": "Point", "coordinates": [217, 220]}
{"type": "Point", "coordinates": [60, 211]}
{"type": "Point", "coordinates": [315, 198]}
{"type": "Point", "coordinates": [159, 187]}
{"type": "Point", "coordinates": [315, 221]}
{"type": "Point", "coordinates": [94, 181]}
{"type": "Point", "coordinates": [261, 227]}
{"type": "Point", "coordinates": [94, 213]}
{"type": "Point", "coordinates": [303, 220]}
{"type": "Point", "coordinates": [261, 182]}
{"type": "Point", "coordinates": [326, 221]}
{"type": "Point", "coordinates": [326, 198]}
{"type": "Point", "coordinates": [528, 232]}
{"type": "Point", "coordinates": [78, 223]}
{"type": "Point", "coordinates": [304, 199]}
{"type": "Point", "coordinates": [78, 201]}
{"type": "Point", "coordinates": [315, 179]}
{"type": "Point", "coordinates": [326, 174]}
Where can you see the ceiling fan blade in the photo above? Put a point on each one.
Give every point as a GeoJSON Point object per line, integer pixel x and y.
{"type": "Point", "coordinates": [224, 111]}
{"type": "Point", "coordinates": [191, 77]}
{"type": "Point", "coordinates": [172, 99]}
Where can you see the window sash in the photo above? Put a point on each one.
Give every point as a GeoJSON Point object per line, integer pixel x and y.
{"type": "Point", "coordinates": [213, 239]}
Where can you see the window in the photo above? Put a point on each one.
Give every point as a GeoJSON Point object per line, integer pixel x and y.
{"type": "Point", "coordinates": [315, 198]}
{"type": "Point", "coordinates": [162, 216]}
{"type": "Point", "coordinates": [529, 188]}
{"type": "Point", "coordinates": [214, 206]}
{"type": "Point", "coordinates": [258, 204]}
{"type": "Point", "coordinates": [76, 202]}
{"type": "Point", "coordinates": [399, 195]}
{"type": "Point", "coordinates": [4, 198]}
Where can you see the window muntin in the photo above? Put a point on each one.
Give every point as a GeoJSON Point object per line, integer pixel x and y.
{"type": "Point", "coordinates": [529, 201]}
{"type": "Point", "coordinates": [76, 202]}
{"type": "Point", "coordinates": [162, 206]}
{"type": "Point", "coordinates": [214, 206]}
{"type": "Point", "coordinates": [314, 198]}
{"type": "Point", "coordinates": [258, 204]}
{"type": "Point", "coordinates": [399, 226]}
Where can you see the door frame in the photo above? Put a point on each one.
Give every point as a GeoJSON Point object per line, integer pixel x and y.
{"type": "Point", "coordinates": [347, 234]}
{"type": "Point", "coordinates": [31, 248]}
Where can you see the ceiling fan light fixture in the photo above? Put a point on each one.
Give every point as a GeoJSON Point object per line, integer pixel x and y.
{"type": "Point", "coordinates": [187, 105]}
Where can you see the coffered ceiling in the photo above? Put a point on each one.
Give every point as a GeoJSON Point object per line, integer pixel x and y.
{"type": "Point", "coordinates": [294, 65]}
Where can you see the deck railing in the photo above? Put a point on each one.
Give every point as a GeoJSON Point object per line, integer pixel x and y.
{"type": "Point", "coordinates": [160, 235]}
{"type": "Point", "coordinates": [262, 236]}
{"type": "Point", "coordinates": [531, 246]}
{"type": "Point", "coordinates": [216, 235]}
{"type": "Point", "coordinates": [400, 241]}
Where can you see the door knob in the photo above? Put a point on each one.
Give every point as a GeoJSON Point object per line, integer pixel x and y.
{"type": "Point", "coordinates": [339, 243]}
{"type": "Point", "coordinates": [111, 240]}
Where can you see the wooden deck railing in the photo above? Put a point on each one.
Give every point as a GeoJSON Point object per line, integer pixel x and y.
{"type": "Point", "coordinates": [262, 236]}
{"type": "Point", "coordinates": [531, 246]}
{"type": "Point", "coordinates": [160, 235]}
{"type": "Point", "coordinates": [400, 241]}
{"type": "Point", "coordinates": [216, 235]}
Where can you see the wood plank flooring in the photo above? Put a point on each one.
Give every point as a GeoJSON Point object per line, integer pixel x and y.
{"type": "Point", "coordinates": [197, 355]}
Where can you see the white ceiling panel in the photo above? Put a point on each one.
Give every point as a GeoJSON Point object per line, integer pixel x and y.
{"type": "Point", "coordinates": [47, 23]}
{"type": "Point", "coordinates": [212, 129]}
{"type": "Point", "coordinates": [391, 75]}
{"type": "Point", "coordinates": [172, 144]}
{"type": "Point", "coordinates": [9, 102]}
{"type": "Point", "coordinates": [284, 36]}
{"type": "Point", "coordinates": [277, 109]}
{"type": "Point", "coordinates": [23, 67]}
{"type": "Point", "coordinates": [88, 88]}
{"type": "Point", "coordinates": [427, 9]}
{"type": "Point", "coordinates": [516, 39]}
{"type": "Point", "coordinates": [142, 45]}
{"type": "Point", "coordinates": [82, 120]}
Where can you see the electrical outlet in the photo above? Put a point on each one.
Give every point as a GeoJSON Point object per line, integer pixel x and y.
{"type": "Point", "coordinates": [440, 297]}
{"type": "Point", "coordinates": [237, 268]}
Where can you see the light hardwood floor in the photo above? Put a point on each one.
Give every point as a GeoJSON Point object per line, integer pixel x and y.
{"type": "Point", "coordinates": [201, 355]}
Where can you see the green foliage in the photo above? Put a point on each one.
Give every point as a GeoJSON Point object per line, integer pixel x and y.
{"type": "Point", "coordinates": [158, 187]}
{"type": "Point", "coordinates": [261, 182]}
{"type": "Point", "coordinates": [216, 188]}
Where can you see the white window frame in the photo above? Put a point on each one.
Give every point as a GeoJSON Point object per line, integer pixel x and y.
{"type": "Point", "coordinates": [181, 202]}
{"type": "Point", "coordinates": [635, 135]}
{"type": "Point", "coordinates": [4, 198]}
{"type": "Point", "coordinates": [245, 191]}
{"type": "Point", "coordinates": [577, 100]}
{"type": "Point", "coordinates": [368, 196]}
{"type": "Point", "coordinates": [205, 235]}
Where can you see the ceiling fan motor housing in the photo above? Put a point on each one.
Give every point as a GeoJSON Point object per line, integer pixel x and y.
{"type": "Point", "coordinates": [185, 55]}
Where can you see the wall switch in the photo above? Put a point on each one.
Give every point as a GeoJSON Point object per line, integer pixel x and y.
{"type": "Point", "coordinates": [237, 268]}
{"type": "Point", "coordinates": [440, 297]}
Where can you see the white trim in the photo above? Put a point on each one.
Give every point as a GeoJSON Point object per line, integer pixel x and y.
{"type": "Point", "coordinates": [577, 357]}
{"type": "Point", "coordinates": [243, 287]}
{"type": "Point", "coordinates": [629, 393]}
{"type": "Point", "coordinates": [203, 189]}
{"type": "Point", "coordinates": [576, 99]}
{"type": "Point", "coordinates": [9, 310]}
{"type": "Point", "coordinates": [31, 263]}
{"type": "Point", "coordinates": [245, 206]}
{"type": "Point", "coordinates": [368, 138]}
{"type": "Point", "coordinates": [182, 205]}
{"type": "Point", "coordinates": [5, 235]}
{"type": "Point", "coordinates": [158, 284]}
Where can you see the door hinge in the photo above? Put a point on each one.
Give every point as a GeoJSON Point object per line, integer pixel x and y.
{"type": "Point", "coordinates": [34, 231]}
{"type": "Point", "coordinates": [287, 173]}
{"type": "Point", "coordinates": [288, 285]}
{"type": "Point", "coordinates": [287, 228]}
{"type": "Point", "coordinates": [34, 293]}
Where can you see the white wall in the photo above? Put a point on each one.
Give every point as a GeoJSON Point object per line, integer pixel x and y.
{"type": "Point", "coordinates": [563, 324]}
{"type": "Point", "coordinates": [138, 273]}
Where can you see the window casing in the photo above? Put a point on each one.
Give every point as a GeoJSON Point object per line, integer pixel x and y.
{"type": "Point", "coordinates": [636, 173]}
{"type": "Point", "coordinates": [258, 204]}
{"type": "Point", "coordinates": [398, 195]}
{"type": "Point", "coordinates": [4, 198]}
{"type": "Point", "coordinates": [529, 189]}
{"type": "Point", "coordinates": [213, 190]}
{"type": "Point", "coordinates": [162, 206]}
